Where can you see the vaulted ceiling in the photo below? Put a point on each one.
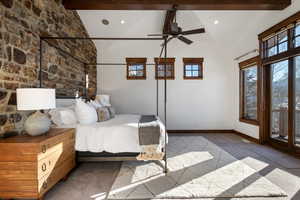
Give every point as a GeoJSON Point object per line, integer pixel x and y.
{"type": "Point", "coordinates": [236, 31]}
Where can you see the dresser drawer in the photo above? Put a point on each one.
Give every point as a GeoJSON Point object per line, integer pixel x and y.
{"type": "Point", "coordinates": [17, 171]}
{"type": "Point", "coordinates": [55, 159]}
{"type": "Point", "coordinates": [45, 183]}
{"type": "Point", "coordinates": [55, 144]}
{"type": "Point", "coordinates": [18, 185]}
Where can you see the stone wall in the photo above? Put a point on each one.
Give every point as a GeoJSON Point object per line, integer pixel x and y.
{"type": "Point", "coordinates": [22, 22]}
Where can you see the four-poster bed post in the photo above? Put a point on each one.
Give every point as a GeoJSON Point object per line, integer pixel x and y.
{"type": "Point", "coordinates": [164, 48]}
{"type": "Point", "coordinates": [165, 107]}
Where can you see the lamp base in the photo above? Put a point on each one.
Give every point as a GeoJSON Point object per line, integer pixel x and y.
{"type": "Point", "coordinates": [37, 124]}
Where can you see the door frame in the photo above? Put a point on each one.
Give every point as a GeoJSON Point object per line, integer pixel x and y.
{"type": "Point", "coordinates": [289, 146]}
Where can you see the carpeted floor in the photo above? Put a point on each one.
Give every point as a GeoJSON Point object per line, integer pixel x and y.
{"type": "Point", "coordinates": [197, 169]}
{"type": "Point", "coordinates": [279, 171]}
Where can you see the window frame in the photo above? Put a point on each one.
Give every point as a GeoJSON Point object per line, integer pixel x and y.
{"type": "Point", "coordinates": [255, 61]}
{"type": "Point", "coordinates": [293, 51]}
{"type": "Point", "coordinates": [288, 25]}
{"type": "Point", "coordinates": [136, 61]}
{"type": "Point", "coordinates": [193, 61]}
{"type": "Point", "coordinates": [166, 61]}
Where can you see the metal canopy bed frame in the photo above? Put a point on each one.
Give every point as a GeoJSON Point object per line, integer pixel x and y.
{"type": "Point", "coordinates": [88, 156]}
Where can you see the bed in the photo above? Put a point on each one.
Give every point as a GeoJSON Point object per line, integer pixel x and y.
{"type": "Point", "coordinates": [119, 138]}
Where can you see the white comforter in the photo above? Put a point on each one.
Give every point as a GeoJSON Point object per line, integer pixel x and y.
{"type": "Point", "coordinates": [116, 135]}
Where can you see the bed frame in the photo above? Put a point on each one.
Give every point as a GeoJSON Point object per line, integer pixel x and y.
{"type": "Point", "coordinates": [88, 156]}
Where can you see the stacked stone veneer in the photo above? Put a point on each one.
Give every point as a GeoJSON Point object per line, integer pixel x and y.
{"type": "Point", "coordinates": [22, 22]}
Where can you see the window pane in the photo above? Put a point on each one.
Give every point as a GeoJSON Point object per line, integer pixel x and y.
{"type": "Point", "coordinates": [161, 74]}
{"type": "Point", "coordinates": [271, 42]}
{"type": "Point", "coordinates": [297, 41]}
{"type": "Point", "coordinates": [140, 67]}
{"type": "Point", "coordinates": [282, 37]}
{"type": "Point", "coordinates": [272, 51]}
{"type": "Point", "coordinates": [297, 30]}
{"type": "Point", "coordinates": [161, 67]}
{"type": "Point", "coordinates": [297, 100]}
{"type": "Point", "coordinates": [169, 67]}
{"type": "Point", "coordinates": [188, 73]}
{"type": "Point", "coordinates": [132, 67]}
{"type": "Point", "coordinates": [188, 67]}
{"type": "Point", "coordinates": [283, 47]}
{"type": "Point", "coordinates": [250, 93]}
{"type": "Point", "coordinates": [169, 74]}
{"type": "Point", "coordinates": [195, 73]}
{"type": "Point", "coordinates": [139, 73]}
{"type": "Point", "coordinates": [132, 73]}
{"type": "Point", "coordinates": [279, 100]}
{"type": "Point", "coordinates": [195, 67]}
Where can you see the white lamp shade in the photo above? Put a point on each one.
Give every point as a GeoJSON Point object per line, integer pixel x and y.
{"type": "Point", "coordinates": [35, 98]}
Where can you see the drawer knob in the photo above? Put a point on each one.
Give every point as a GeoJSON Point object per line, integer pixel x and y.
{"type": "Point", "coordinates": [45, 185]}
{"type": "Point", "coordinates": [44, 167]}
{"type": "Point", "coordinates": [44, 148]}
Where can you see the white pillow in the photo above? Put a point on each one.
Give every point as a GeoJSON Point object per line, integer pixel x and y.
{"type": "Point", "coordinates": [68, 117]}
{"type": "Point", "coordinates": [85, 114]}
{"type": "Point", "coordinates": [63, 116]}
{"type": "Point", "coordinates": [95, 104]}
{"type": "Point", "coordinates": [103, 99]}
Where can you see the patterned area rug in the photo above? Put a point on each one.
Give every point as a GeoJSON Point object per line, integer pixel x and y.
{"type": "Point", "coordinates": [197, 169]}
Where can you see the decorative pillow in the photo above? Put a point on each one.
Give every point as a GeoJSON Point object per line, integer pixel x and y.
{"type": "Point", "coordinates": [103, 99]}
{"type": "Point", "coordinates": [95, 104]}
{"type": "Point", "coordinates": [103, 114]}
{"type": "Point", "coordinates": [112, 111]}
{"type": "Point", "coordinates": [85, 114]}
{"type": "Point", "coordinates": [63, 116]}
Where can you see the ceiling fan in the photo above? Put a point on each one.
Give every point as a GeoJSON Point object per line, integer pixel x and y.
{"type": "Point", "coordinates": [172, 30]}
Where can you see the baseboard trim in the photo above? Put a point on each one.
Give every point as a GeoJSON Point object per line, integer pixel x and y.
{"type": "Point", "coordinates": [232, 131]}
{"type": "Point", "coordinates": [247, 137]}
{"type": "Point", "coordinates": [200, 131]}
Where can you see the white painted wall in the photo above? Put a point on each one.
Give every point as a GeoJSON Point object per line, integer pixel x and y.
{"type": "Point", "coordinates": [192, 104]}
{"type": "Point", "coordinates": [211, 103]}
{"type": "Point", "coordinates": [269, 20]}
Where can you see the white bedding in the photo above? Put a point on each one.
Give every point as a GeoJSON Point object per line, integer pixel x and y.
{"type": "Point", "coordinates": [116, 135]}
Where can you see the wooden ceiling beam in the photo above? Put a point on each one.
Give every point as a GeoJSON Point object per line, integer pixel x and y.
{"type": "Point", "coordinates": [182, 4]}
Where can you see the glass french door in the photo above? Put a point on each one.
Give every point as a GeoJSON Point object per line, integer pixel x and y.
{"type": "Point", "coordinates": [279, 86]}
{"type": "Point", "coordinates": [297, 101]}
{"type": "Point", "coordinates": [284, 103]}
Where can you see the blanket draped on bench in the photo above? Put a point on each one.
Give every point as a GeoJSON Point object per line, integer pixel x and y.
{"type": "Point", "coordinates": [151, 138]}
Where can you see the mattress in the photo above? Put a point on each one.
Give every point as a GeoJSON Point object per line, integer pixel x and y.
{"type": "Point", "coordinates": [116, 135]}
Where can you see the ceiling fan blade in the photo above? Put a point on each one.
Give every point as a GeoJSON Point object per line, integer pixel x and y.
{"type": "Point", "coordinates": [159, 34]}
{"type": "Point", "coordinates": [195, 31]}
{"type": "Point", "coordinates": [185, 40]}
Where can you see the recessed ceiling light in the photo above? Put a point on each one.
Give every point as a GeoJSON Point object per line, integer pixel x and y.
{"type": "Point", "coordinates": [105, 21]}
{"type": "Point", "coordinates": [122, 22]}
{"type": "Point", "coordinates": [216, 22]}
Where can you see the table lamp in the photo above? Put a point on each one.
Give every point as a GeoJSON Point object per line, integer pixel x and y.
{"type": "Point", "coordinates": [36, 99]}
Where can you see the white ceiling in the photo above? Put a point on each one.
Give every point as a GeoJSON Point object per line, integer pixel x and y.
{"type": "Point", "coordinates": [236, 29]}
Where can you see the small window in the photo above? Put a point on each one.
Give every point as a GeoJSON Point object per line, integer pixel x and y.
{"type": "Point", "coordinates": [192, 68]}
{"type": "Point", "coordinates": [297, 36]}
{"type": "Point", "coordinates": [276, 44]}
{"type": "Point", "coordinates": [161, 72]}
{"type": "Point", "coordinates": [136, 68]}
{"type": "Point", "coordinates": [249, 83]}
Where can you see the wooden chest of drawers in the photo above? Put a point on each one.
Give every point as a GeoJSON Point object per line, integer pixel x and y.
{"type": "Point", "coordinates": [30, 166]}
